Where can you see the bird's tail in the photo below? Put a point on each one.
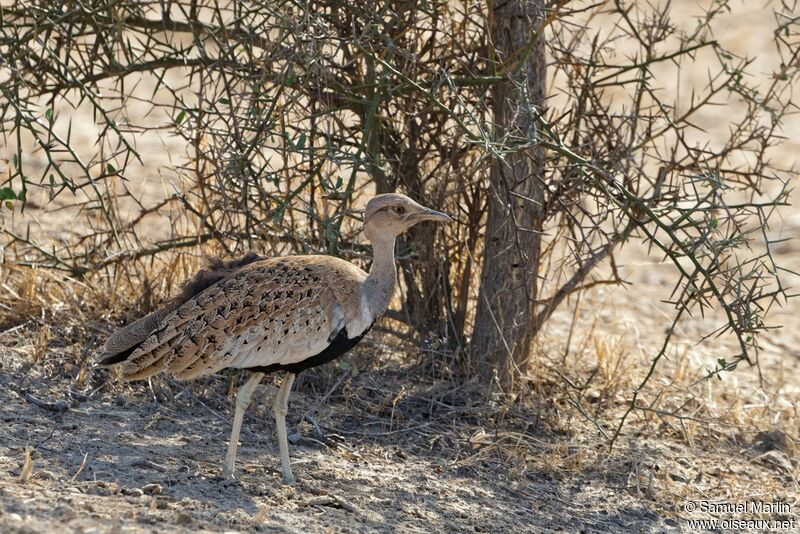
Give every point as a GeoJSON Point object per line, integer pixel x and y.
{"type": "Point", "coordinates": [121, 344]}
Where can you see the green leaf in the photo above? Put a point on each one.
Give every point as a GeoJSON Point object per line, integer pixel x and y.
{"type": "Point", "coordinates": [48, 114]}
{"type": "Point", "coordinates": [181, 116]}
{"type": "Point", "coordinates": [301, 141]}
{"type": "Point", "coordinates": [225, 101]}
{"type": "Point", "coordinates": [8, 194]}
{"type": "Point", "coordinates": [111, 169]}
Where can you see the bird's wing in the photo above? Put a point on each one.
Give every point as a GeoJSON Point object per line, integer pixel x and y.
{"type": "Point", "coordinates": [275, 311]}
{"type": "Point", "coordinates": [122, 343]}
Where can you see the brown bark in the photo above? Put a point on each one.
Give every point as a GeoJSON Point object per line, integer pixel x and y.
{"type": "Point", "coordinates": [504, 324]}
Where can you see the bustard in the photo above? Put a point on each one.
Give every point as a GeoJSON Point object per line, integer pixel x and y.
{"type": "Point", "coordinates": [266, 315]}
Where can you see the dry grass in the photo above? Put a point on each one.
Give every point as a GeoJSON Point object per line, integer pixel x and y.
{"type": "Point", "coordinates": [26, 472]}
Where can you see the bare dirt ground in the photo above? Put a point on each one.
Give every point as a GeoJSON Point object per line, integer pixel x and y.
{"type": "Point", "coordinates": [417, 464]}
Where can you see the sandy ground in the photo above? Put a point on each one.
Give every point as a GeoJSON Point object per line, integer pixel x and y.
{"type": "Point", "coordinates": [152, 464]}
{"type": "Point", "coordinates": [385, 452]}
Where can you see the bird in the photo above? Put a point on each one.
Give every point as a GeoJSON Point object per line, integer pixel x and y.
{"type": "Point", "coordinates": [267, 315]}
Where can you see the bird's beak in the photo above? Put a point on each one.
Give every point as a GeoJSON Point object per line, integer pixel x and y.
{"type": "Point", "coordinates": [433, 215]}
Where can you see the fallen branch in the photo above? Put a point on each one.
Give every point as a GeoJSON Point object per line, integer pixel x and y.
{"type": "Point", "coordinates": [143, 462]}
{"type": "Point", "coordinates": [57, 406]}
{"type": "Point", "coordinates": [80, 469]}
{"type": "Point", "coordinates": [328, 499]}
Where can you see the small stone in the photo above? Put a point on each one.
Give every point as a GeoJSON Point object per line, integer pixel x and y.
{"type": "Point", "coordinates": [103, 491]}
{"type": "Point", "coordinates": [677, 478]}
{"type": "Point", "coordinates": [294, 439]}
{"type": "Point", "coordinates": [46, 475]}
{"type": "Point", "coordinates": [14, 517]}
{"type": "Point", "coordinates": [226, 482]}
{"type": "Point", "coordinates": [183, 519]}
{"type": "Point", "coordinates": [152, 489]}
{"type": "Point", "coordinates": [133, 492]}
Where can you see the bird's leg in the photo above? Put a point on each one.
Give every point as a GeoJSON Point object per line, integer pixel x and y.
{"type": "Point", "coordinates": [279, 409]}
{"type": "Point", "coordinates": [242, 402]}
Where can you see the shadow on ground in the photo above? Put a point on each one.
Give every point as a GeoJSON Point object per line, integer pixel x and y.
{"type": "Point", "coordinates": [152, 461]}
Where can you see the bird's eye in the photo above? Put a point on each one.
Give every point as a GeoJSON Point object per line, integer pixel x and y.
{"type": "Point", "coordinates": [400, 210]}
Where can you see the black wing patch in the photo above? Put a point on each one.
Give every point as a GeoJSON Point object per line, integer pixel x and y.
{"type": "Point", "coordinates": [118, 357]}
{"type": "Point", "coordinates": [338, 346]}
{"type": "Point", "coordinates": [217, 270]}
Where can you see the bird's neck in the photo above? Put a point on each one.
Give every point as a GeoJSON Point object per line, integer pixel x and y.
{"type": "Point", "coordinates": [382, 277]}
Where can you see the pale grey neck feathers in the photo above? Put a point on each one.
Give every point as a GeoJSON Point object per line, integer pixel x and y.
{"type": "Point", "coordinates": [379, 285]}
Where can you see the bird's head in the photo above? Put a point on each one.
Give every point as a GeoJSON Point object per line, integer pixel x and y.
{"type": "Point", "coordinates": [389, 215]}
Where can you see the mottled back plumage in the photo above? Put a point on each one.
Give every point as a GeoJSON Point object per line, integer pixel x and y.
{"type": "Point", "coordinates": [123, 342]}
{"type": "Point", "coordinates": [264, 312]}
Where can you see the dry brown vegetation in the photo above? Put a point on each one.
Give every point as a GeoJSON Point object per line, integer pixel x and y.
{"type": "Point", "coordinates": [394, 438]}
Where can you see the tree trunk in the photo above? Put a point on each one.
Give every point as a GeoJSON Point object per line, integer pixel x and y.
{"type": "Point", "coordinates": [504, 325]}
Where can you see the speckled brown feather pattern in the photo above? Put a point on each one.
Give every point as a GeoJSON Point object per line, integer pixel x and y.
{"type": "Point", "coordinates": [277, 310]}
{"type": "Point", "coordinates": [119, 344]}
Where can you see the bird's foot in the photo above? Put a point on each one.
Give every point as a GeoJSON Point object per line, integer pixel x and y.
{"type": "Point", "coordinates": [227, 472]}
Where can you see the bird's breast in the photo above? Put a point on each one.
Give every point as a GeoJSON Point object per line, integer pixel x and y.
{"type": "Point", "coordinates": [362, 319]}
{"type": "Point", "coordinates": [280, 340]}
